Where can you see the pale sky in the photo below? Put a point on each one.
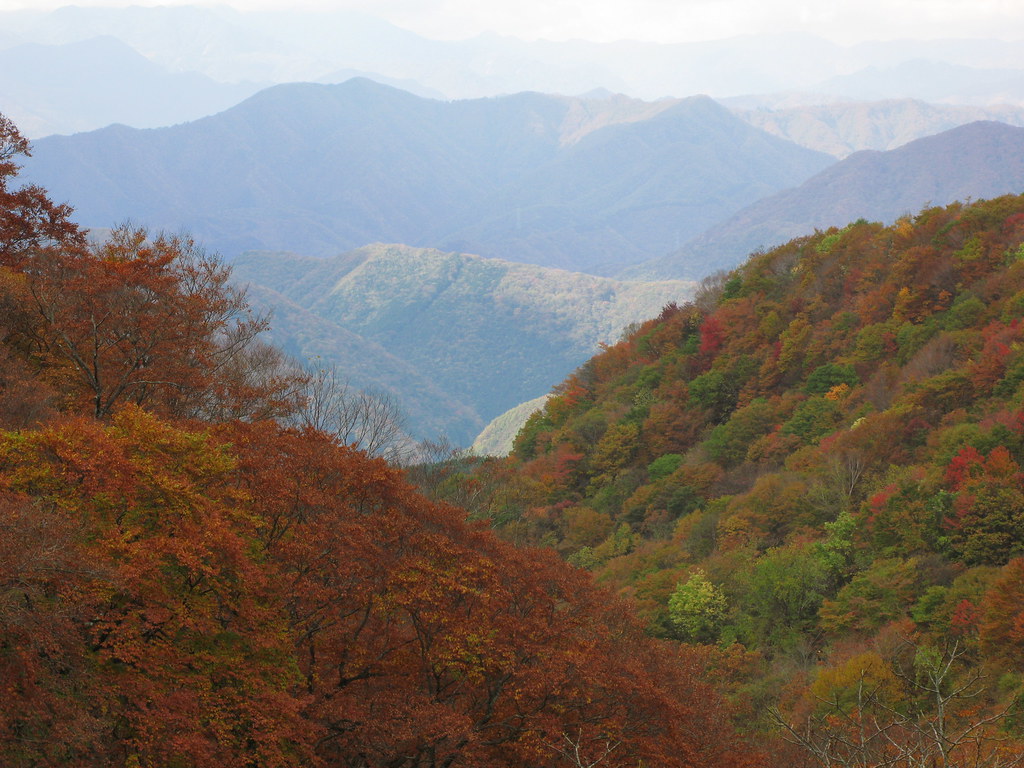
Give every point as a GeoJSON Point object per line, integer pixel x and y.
{"type": "Point", "coordinates": [843, 21]}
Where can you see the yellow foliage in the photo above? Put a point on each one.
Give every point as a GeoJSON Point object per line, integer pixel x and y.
{"type": "Point", "coordinates": [838, 392]}
{"type": "Point", "coordinates": [865, 673]}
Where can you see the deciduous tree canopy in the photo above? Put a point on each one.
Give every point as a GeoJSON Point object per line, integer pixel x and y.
{"type": "Point", "coordinates": [818, 458]}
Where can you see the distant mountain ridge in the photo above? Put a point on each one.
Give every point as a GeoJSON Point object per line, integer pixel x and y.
{"type": "Point", "coordinates": [980, 160]}
{"type": "Point", "coordinates": [580, 184]}
{"type": "Point", "coordinates": [285, 46]}
{"type": "Point", "coordinates": [484, 334]}
{"type": "Point", "coordinates": [929, 80]}
{"type": "Point", "coordinates": [89, 84]}
{"type": "Point", "coordinates": [845, 127]}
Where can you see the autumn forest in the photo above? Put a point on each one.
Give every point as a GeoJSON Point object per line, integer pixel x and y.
{"type": "Point", "coordinates": [779, 525]}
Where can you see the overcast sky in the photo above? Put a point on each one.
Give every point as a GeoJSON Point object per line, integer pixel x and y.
{"type": "Point", "coordinates": [844, 21]}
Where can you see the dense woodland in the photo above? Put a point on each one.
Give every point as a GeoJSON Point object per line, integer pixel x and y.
{"type": "Point", "coordinates": [792, 512]}
{"type": "Point", "coordinates": [815, 468]}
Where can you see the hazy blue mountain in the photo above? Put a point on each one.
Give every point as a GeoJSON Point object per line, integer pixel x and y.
{"type": "Point", "coordinates": [216, 41]}
{"type": "Point", "coordinates": [292, 45]}
{"type": "Point", "coordinates": [9, 39]}
{"type": "Point", "coordinates": [93, 83]}
{"type": "Point", "coordinates": [403, 84]}
{"type": "Point", "coordinates": [584, 184]}
{"type": "Point", "coordinates": [978, 161]}
{"type": "Point", "coordinates": [967, 51]}
{"type": "Point", "coordinates": [843, 128]}
{"type": "Point", "coordinates": [484, 333]}
{"type": "Point", "coordinates": [936, 81]}
{"type": "Point", "coordinates": [633, 189]}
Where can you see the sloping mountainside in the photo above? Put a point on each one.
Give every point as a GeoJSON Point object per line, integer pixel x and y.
{"type": "Point", "coordinates": [820, 460]}
{"type": "Point", "coordinates": [582, 184]}
{"type": "Point", "coordinates": [974, 161]}
{"type": "Point", "coordinates": [93, 83]}
{"type": "Point", "coordinates": [631, 189]}
{"type": "Point", "coordinates": [498, 437]}
{"type": "Point", "coordinates": [364, 365]}
{"type": "Point", "coordinates": [848, 127]}
{"type": "Point", "coordinates": [486, 334]}
{"type": "Point", "coordinates": [224, 633]}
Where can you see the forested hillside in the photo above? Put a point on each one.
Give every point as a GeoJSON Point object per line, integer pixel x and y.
{"type": "Point", "coordinates": [456, 339]}
{"type": "Point", "coordinates": [817, 464]}
{"type": "Point", "coordinates": [192, 574]}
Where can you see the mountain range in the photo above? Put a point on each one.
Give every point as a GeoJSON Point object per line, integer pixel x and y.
{"type": "Point", "coordinates": [980, 160]}
{"type": "Point", "coordinates": [284, 46]}
{"type": "Point", "coordinates": [585, 184]}
{"type": "Point", "coordinates": [87, 84]}
{"type": "Point", "coordinates": [936, 81]}
{"type": "Point", "coordinates": [845, 127]}
{"type": "Point", "coordinates": [602, 184]}
{"type": "Point", "coordinates": [456, 339]}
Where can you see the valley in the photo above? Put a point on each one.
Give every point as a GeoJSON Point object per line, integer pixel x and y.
{"type": "Point", "coordinates": [383, 398]}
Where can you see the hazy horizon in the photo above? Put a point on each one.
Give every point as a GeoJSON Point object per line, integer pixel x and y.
{"type": "Point", "coordinates": [658, 21]}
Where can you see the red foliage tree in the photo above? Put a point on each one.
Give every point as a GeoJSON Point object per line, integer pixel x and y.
{"type": "Point", "coordinates": [987, 521]}
{"type": "Point", "coordinates": [135, 320]}
{"type": "Point", "coordinates": [168, 621]}
{"type": "Point", "coordinates": [712, 335]}
{"type": "Point", "coordinates": [151, 321]}
{"type": "Point", "coordinates": [1002, 621]}
{"type": "Point", "coordinates": [29, 220]}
